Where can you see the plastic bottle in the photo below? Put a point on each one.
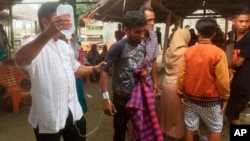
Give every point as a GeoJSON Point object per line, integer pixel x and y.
{"type": "Point", "coordinates": [67, 9]}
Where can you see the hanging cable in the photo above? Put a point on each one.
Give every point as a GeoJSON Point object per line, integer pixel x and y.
{"type": "Point", "coordinates": [91, 132]}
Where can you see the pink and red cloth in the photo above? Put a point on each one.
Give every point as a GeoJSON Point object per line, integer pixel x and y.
{"type": "Point", "coordinates": [141, 108]}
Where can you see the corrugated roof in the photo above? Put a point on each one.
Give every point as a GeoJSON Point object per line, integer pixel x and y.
{"type": "Point", "coordinates": [113, 10]}
{"type": "Point", "coordinates": [5, 4]}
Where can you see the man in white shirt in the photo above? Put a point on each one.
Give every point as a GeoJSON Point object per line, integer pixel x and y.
{"type": "Point", "coordinates": [51, 65]}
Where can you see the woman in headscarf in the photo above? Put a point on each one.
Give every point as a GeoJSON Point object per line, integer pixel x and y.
{"type": "Point", "coordinates": [170, 112]}
{"type": "Point", "coordinates": [93, 58]}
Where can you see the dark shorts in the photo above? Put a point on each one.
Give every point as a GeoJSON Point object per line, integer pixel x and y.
{"type": "Point", "coordinates": [237, 102]}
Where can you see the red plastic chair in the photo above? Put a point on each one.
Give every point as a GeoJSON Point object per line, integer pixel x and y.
{"type": "Point", "coordinates": [11, 78]}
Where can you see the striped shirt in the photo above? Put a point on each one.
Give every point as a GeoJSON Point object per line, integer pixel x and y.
{"type": "Point", "coordinates": [152, 51]}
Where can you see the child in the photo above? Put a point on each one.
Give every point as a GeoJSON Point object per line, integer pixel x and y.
{"type": "Point", "coordinates": [203, 83]}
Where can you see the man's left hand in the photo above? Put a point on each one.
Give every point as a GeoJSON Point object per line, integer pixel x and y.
{"type": "Point", "coordinates": [156, 89]}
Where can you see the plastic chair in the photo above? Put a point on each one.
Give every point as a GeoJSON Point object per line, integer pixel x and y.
{"type": "Point", "coordinates": [11, 78]}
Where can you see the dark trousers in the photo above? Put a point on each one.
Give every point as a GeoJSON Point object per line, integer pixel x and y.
{"type": "Point", "coordinates": [73, 131]}
{"type": "Point", "coordinates": [121, 118]}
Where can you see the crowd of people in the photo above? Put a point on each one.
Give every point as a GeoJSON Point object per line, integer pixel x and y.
{"type": "Point", "coordinates": [195, 86]}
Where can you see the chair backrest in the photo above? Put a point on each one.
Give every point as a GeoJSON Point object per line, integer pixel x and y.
{"type": "Point", "coordinates": [11, 76]}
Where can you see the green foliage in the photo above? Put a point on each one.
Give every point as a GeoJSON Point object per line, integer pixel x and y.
{"type": "Point", "coordinates": [84, 7]}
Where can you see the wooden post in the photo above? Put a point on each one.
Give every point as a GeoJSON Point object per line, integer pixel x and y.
{"type": "Point", "coordinates": [36, 27]}
{"type": "Point", "coordinates": [180, 24]}
{"type": "Point", "coordinates": [11, 31]}
{"type": "Point", "coordinates": [226, 27]}
{"type": "Point", "coordinates": [165, 43]}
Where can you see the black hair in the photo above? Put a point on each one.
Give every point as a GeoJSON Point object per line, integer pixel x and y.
{"type": "Point", "coordinates": [219, 39]}
{"type": "Point", "coordinates": [206, 27]}
{"type": "Point", "coordinates": [242, 11]}
{"type": "Point", "coordinates": [193, 37]}
{"type": "Point", "coordinates": [146, 7]}
{"type": "Point", "coordinates": [93, 47]}
{"type": "Point", "coordinates": [134, 18]}
{"type": "Point", "coordinates": [45, 11]}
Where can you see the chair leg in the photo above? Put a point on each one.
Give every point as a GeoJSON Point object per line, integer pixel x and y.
{"type": "Point", "coordinates": [4, 100]}
{"type": "Point", "coordinates": [2, 108]}
{"type": "Point", "coordinates": [16, 103]}
{"type": "Point", "coordinates": [87, 79]}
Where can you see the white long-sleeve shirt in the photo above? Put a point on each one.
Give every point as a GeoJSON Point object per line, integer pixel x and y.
{"type": "Point", "coordinates": [53, 87]}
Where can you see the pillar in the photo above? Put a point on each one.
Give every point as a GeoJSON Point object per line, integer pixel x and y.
{"type": "Point", "coordinates": [165, 43]}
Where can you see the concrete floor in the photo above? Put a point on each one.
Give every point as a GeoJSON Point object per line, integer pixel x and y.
{"type": "Point", "coordinates": [14, 127]}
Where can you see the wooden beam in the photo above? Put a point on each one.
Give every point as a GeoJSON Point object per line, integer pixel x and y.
{"type": "Point", "coordinates": [19, 2]}
{"type": "Point", "coordinates": [199, 17]}
{"type": "Point", "coordinates": [165, 9]}
{"type": "Point", "coordinates": [213, 6]}
{"type": "Point", "coordinates": [87, 2]}
{"type": "Point", "coordinates": [201, 14]}
{"type": "Point", "coordinates": [224, 6]}
{"type": "Point", "coordinates": [100, 6]}
{"type": "Point", "coordinates": [118, 18]}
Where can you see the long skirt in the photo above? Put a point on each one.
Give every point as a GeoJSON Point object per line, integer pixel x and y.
{"type": "Point", "coordinates": [170, 113]}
